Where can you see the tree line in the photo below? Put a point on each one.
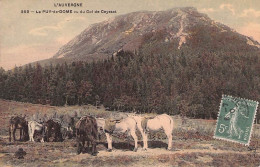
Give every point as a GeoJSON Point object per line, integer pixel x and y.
{"type": "Point", "coordinates": [182, 82]}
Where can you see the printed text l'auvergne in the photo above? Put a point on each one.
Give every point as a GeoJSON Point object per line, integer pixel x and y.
{"type": "Point", "coordinates": [70, 4]}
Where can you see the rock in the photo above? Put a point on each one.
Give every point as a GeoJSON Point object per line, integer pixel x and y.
{"type": "Point", "coordinates": [20, 153]}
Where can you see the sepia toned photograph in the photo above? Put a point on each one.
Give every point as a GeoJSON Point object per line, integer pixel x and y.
{"type": "Point", "coordinates": [115, 83]}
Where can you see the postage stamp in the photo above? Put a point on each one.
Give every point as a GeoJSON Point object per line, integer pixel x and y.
{"type": "Point", "coordinates": [235, 119]}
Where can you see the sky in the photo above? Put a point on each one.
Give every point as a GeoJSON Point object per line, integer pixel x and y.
{"type": "Point", "coordinates": [29, 37]}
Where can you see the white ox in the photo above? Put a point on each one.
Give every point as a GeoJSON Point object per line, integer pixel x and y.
{"type": "Point", "coordinates": [32, 126]}
{"type": "Point", "coordinates": [163, 121]}
{"type": "Point", "coordinates": [127, 125]}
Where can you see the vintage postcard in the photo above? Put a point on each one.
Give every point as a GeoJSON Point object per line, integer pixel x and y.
{"type": "Point", "coordinates": [129, 83]}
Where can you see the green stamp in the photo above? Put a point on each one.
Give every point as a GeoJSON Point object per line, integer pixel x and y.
{"type": "Point", "coordinates": [235, 119]}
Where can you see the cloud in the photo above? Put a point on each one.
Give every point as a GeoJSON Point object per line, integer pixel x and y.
{"type": "Point", "coordinates": [251, 30]}
{"type": "Point", "coordinates": [228, 7]}
{"type": "Point", "coordinates": [250, 13]}
{"type": "Point", "coordinates": [207, 10]}
{"type": "Point", "coordinates": [56, 35]}
{"type": "Point", "coordinates": [45, 30]}
{"type": "Point", "coordinates": [23, 54]}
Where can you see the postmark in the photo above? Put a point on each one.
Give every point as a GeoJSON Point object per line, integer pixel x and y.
{"type": "Point", "coordinates": [235, 119]}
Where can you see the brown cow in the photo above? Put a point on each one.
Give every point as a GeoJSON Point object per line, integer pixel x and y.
{"type": "Point", "coordinates": [86, 130]}
{"type": "Point", "coordinates": [18, 122]}
{"type": "Point", "coordinates": [50, 127]}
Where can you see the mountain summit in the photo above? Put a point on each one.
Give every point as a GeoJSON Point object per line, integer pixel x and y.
{"type": "Point", "coordinates": [176, 28]}
{"type": "Point", "coordinates": [180, 62]}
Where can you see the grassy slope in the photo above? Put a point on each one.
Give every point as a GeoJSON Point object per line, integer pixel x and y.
{"type": "Point", "coordinates": [193, 143]}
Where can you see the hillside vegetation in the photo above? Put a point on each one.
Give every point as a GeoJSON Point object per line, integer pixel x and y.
{"type": "Point", "coordinates": [184, 82]}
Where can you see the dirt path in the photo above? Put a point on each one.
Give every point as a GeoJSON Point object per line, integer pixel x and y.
{"type": "Point", "coordinates": [155, 152]}
{"type": "Point", "coordinates": [64, 154]}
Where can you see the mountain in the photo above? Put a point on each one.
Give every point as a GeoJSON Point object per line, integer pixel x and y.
{"type": "Point", "coordinates": [177, 61]}
{"type": "Point", "coordinates": [157, 31]}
